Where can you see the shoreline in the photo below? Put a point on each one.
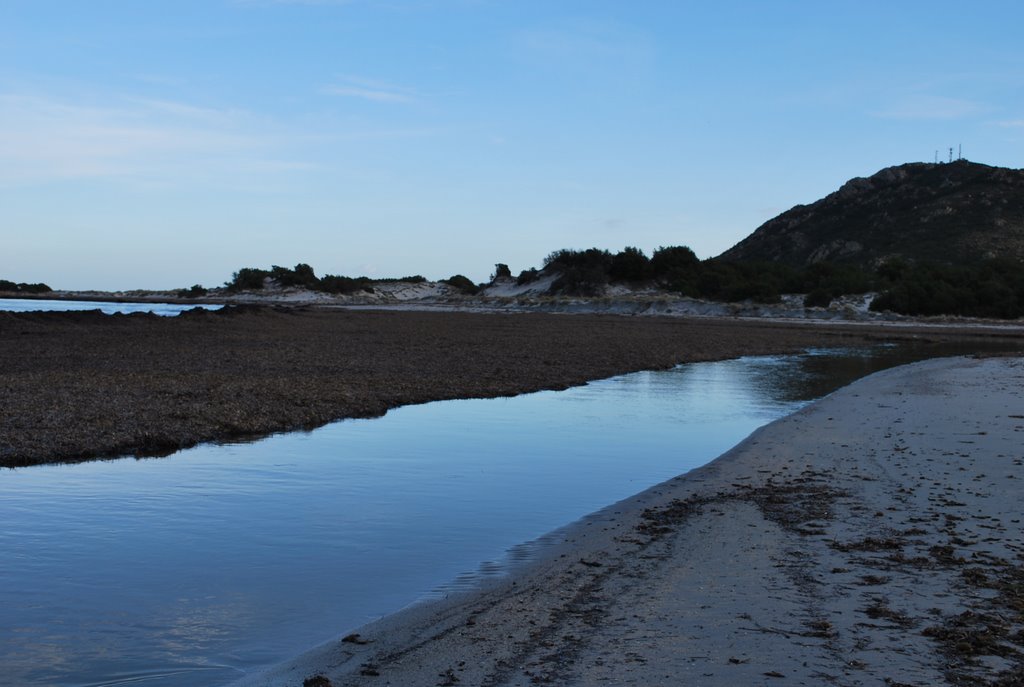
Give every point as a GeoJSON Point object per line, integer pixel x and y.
{"type": "Point", "coordinates": [438, 298]}
{"type": "Point", "coordinates": [82, 385]}
{"type": "Point", "coordinates": [873, 535]}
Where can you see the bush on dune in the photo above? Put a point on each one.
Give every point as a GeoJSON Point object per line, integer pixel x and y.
{"type": "Point", "coordinates": [581, 273]}
{"type": "Point", "coordinates": [22, 287]}
{"type": "Point", "coordinates": [630, 265]}
{"type": "Point", "coordinates": [194, 291]}
{"type": "Point", "coordinates": [462, 283]}
{"type": "Point", "coordinates": [528, 276]}
{"type": "Point", "coordinates": [333, 283]}
{"type": "Point", "coordinates": [247, 279]}
{"type": "Point", "coordinates": [300, 276]}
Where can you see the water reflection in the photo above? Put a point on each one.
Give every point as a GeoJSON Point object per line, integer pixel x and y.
{"type": "Point", "coordinates": [218, 560]}
{"type": "Point", "coordinates": [822, 371]}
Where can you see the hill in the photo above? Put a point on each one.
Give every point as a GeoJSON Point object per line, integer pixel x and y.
{"type": "Point", "coordinates": [957, 213]}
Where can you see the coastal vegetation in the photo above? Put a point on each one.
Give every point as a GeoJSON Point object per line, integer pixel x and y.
{"type": "Point", "coordinates": [194, 291]}
{"type": "Point", "coordinates": [463, 283]}
{"type": "Point", "coordinates": [988, 288]}
{"type": "Point", "coordinates": [12, 287]}
{"type": "Point", "coordinates": [991, 288]}
{"type": "Point", "coordinates": [303, 276]}
{"type": "Point", "coordinates": [677, 269]}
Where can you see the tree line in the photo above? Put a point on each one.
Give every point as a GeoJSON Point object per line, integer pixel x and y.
{"type": "Point", "coordinates": [992, 288]}
{"type": "Point", "coordinates": [21, 287]}
{"type": "Point", "coordinates": [677, 269]}
{"type": "Point", "coordinates": [303, 276]}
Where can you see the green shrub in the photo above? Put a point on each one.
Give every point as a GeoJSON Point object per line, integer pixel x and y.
{"type": "Point", "coordinates": [630, 265]}
{"type": "Point", "coordinates": [818, 298]}
{"type": "Point", "coordinates": [676, 268]}
{"type": "Point", "coordinates": [579, 281]}
{"type": "Point", "coordinates": [583, 273]}
{"type": "Point", "coordinates": [463, 283]}
{"type": "Point", "coordinates": [247, 279]}
{"type": "Point", "coordinates": [994, 289]}
{"type": "Point", "coordinates": [22, 287]}
{"type": "Point", "coordinates": [527, 276]}
{"type": "Point", "coordinates": [673, 261]}
{"type": "Point", "coordinates": [34, 288]}
{"type": "Point", "coordinates": [591, 258]}
{"type": "Point", "coordinates": [195, 291]}
{"type": "Point", "coordinates": [893, 269]}
{"type": "Point", "coordinates": [836, 280]}
{"type": "Point", "coordinates": [333, 283]}
{"type": "Point", "coordinates": [301, 275]}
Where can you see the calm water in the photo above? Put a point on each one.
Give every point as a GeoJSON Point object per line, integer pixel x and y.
{"type": "Point", "coordinates": [196, 568]}
{"type": "Point", "coordinates": [32, 304]}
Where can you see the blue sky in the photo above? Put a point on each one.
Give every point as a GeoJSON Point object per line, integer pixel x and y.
{"type": "Point", "coordinates": [153, 144]}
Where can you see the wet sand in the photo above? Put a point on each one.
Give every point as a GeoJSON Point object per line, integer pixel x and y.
{"type": "Point", "coordinates": [85, 385]}
{"type": "Point", "coordinates": [874, 537]}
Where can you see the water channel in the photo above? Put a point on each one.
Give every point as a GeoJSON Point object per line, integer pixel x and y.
{"type": "Point", "coordinates": [106, 307]}
{"type": "Point", "coordinates": [202, 566]}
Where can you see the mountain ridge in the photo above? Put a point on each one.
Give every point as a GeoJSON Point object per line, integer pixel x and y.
{"type": "Point", "coordinates": [949, 213]}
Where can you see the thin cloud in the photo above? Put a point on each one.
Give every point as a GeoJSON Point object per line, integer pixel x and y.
{"type": "Point", "coordinates": [370, 89]}
{"type": "Point", "coordinates": [161, 79]}
{"type": "Point", "coordinates": [145, 141]}
{"type": "Point", "coordinates": [47, 139]}
{"type": "Point", "coordinates": [264, 3]}
{"type": "Point", "coordinates": [367, 94]}
{"type": "Point", "coordinates": [225, 117]}
{"type": "Point", "coordinates": [586, 45]}
{"type": "Point", "coordinates": [1012, 124]}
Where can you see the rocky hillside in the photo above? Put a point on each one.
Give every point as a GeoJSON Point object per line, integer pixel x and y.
{"type": "Point", "coordinates": [955, 213]}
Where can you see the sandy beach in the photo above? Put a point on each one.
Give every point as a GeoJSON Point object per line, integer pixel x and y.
{"type": "Point", "coordinates": [84, 385]}
{"type": "Point", "coordinates": [872, 538]}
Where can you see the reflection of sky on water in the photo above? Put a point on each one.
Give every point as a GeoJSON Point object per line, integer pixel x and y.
{"type": "Point", "coordinates": [224, 558]}
{"type": "Point", "coordinates": [35, 305]}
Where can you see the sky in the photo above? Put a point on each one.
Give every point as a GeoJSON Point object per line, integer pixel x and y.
{"type": "Point", "coordinates": [158, 144]}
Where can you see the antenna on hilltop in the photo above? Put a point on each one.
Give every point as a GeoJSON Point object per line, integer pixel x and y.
{"type": "Point", "coordinates": [936, 156]}
{"type": "Point", "coordinates": [951, 154]}
{"type": "Point", "coordinates": [959, 151]}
